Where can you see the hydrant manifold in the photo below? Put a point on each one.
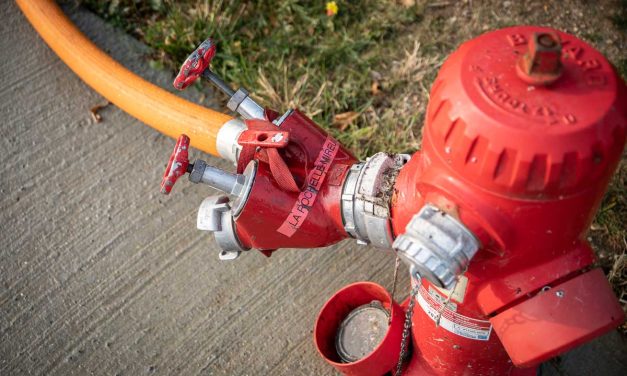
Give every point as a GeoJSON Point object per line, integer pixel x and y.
{"type": "Point", "coordinates": [524, 129]}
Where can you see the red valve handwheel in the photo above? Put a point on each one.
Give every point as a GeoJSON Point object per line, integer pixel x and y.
{"type": "Point", "coordinates": [195, 64]}
{"type": "Point", "coordinates": [177, 165]}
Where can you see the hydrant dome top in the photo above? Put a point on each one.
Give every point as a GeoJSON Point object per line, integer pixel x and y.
{"type": "Point", "coordinates": [581, 96]}
{"type": "Point", "coordinates": [493, 126]}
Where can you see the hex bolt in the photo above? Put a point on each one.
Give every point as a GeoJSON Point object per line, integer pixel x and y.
{"type": "Point", "coordinates": [547, 41]}
{"type": "Point", "coordinates": [541, 64]}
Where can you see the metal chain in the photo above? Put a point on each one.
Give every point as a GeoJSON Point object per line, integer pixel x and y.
{"type": "Point", "coordinates": [448, 299]}
{"type": "Point", "coordinates": [410, 310]}
{"type": "Point", "coordinates": [407, 327]}
{"type": "Point", "coordinates": [396, 265]}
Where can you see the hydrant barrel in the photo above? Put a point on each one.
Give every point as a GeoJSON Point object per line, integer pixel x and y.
{"type": "Point", "coordinates": [519, 144]}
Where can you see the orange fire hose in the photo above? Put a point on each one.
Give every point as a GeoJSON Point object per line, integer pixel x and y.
{"type": "Point", "coordinates": [154, 106]}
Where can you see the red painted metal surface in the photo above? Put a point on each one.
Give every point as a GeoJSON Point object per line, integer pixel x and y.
{"type": "Point", "coordinates": [566, 315]}
{"type": "Point", "coordinates": [277, 217]}
{"type": "Point", "coordinates": [264, 139]}
{"type": "Point", "coordinates": [383, 358]}
{"type": "Point", "coordinates": [195, 64]}
{"type": "Point", "coordinates": [177, 165]}
{"type": "Point", "coordinates": [439, 350]}
{"type": "Point", "coordinates": [260, 142]}
{"type": "Point", "coordinates": [524, 168]}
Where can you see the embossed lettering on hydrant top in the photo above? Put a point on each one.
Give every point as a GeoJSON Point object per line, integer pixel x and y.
{"type": "Point", "coordinates": [308, 196]}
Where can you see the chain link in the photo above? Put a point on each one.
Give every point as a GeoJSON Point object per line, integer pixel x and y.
{"type": "Point", "coordinates": [407, 327]}
{"type": "Point", "coordinates": [396, 265]}
{"type": "Point", "coordinates": [448, 299]}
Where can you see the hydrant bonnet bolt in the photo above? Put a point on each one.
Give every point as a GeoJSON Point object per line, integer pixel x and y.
{"type": "Point", "coordinates": [541, 64]}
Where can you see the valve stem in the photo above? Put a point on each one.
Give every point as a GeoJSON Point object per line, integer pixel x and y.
{"type": "Point", "coordinates": [225, 181]}
{"type": "Point", "coordinates": [197, 65]}
{"type": "Point", "coordinates": [239, 101]}
{"type": "Point", "coordinates": [223, 86]}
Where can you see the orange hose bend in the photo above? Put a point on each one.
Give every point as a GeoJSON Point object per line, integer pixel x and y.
{"type": "Point", "coordinates": [154, 106]}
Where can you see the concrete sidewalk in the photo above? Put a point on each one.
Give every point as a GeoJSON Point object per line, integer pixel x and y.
{"type": "Point", "coordinates": [100, 274]}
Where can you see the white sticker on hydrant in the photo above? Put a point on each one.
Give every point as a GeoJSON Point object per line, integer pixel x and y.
{"type": "Point", "coordinates": [452, 321]}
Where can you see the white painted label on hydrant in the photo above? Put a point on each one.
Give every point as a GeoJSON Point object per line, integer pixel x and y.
{"type": "Point", "coordinates": [452, 321]}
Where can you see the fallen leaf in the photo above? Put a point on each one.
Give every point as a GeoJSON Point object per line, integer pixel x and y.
{"type": "Point", "coordinates": [408, 3]}
{"type": "Point", "coordinates": [374, 88]}
{"type": "Point", "coordinates": [343, 120]}
{"type": "Point", "coordinates": [94, 111]}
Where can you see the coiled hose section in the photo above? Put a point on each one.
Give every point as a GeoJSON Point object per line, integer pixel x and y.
{"type": "Point", "coordinates": [154, 106]}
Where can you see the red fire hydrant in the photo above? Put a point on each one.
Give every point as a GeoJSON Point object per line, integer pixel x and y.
{"type": "Point", "coordinates": [523, 131]}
